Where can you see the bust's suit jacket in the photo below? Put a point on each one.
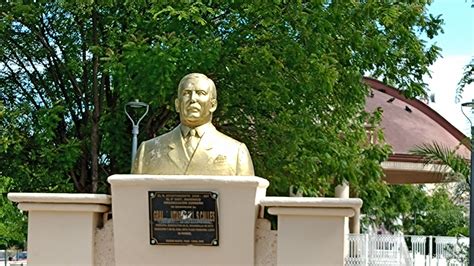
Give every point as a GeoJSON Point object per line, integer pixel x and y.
{"type": "Point", "coordinates": [216, 154]}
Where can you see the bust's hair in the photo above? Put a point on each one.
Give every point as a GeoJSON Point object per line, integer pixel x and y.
{"type": "Point", "coordinates": [210, 83]}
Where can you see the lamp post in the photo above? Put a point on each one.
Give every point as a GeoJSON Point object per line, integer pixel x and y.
{"type": "Point", "coordinates": [471, 185]}
{"type": "Point", "coordinates": [135, 104]}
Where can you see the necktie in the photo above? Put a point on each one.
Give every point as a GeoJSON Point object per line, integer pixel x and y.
{"type": "Point", "coordinates": [191, 142]}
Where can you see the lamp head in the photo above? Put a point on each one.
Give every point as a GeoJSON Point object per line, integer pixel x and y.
{"type": "Point", "coordinates": [136, 104]}
{"type": "Point", "coordinates": [470, 105]}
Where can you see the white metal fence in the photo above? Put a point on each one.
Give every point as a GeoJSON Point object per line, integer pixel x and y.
{"type": "Point", "coordinates": [13, 257]}
{"type": "Point", "coordinates": [372, 249]}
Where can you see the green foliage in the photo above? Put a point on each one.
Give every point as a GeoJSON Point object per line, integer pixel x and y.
{"type": "Point", "coordinates": [13, 224]}
{"type": "Point", "coordinates": [288, 76]}
{"type": "Point", "coordinates": [448, 160]}
{"type": "Point", "coordinates": [398, 209]}
{"type": "Point", "coordinates": [443, 217]}
{"type": "Point", "coordinates": [34, 161]}
{"type": "Point", "coordinates": [450, 164]}
{"type": "Point", "coordinates": [444, 213]}
{"type": "Point", "coordinates": [413, 211]}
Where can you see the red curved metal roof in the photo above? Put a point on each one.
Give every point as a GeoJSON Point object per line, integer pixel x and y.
{"type": "Point", "coordinates": [408, 123]}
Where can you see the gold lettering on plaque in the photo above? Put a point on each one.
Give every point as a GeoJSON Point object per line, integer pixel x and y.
{"type": "Point", "coordinates": [157, 215]}
{"type": "Point", "coordinates": [175, 215]}
{"type": "Point", "coordinates": [205, 215]}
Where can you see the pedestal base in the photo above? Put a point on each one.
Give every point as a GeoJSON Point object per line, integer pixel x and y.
{"type": "Point", "coordinates": [238, 202]}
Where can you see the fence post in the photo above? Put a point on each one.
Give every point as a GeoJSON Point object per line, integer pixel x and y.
{"type": "Point", "coordinates": [430, 249]}
{"type": "Point", "coordinates": [400, 249]}
{"type": "Point", "coordinates": [366, 247]}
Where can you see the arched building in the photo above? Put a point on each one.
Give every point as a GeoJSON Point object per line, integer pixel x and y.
{"type": "Point", "coordinates": [408, 123]}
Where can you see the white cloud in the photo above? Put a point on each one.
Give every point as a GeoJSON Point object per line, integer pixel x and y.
{"type": "Point", "coordinates": [446, 73]}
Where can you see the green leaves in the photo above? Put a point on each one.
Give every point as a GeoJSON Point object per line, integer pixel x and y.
{"type": "Point", "coordinates": [191, 11]}
{"type": "Point", "coordinates": [449, 162]}
{"type": "Point", "coordinates": [288, 78]}
{"type": "Point", "coordinates": [443, 217]}
{"type": "Point", "coordinates": [413, 210]}
{"type": "Point", "coordinates": [13, 224]}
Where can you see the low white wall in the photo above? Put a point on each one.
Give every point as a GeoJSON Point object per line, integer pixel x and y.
{"type": "Point", "coordinates": [65, 229]}
{"type": "Point", "coordinates": [311, 231]}
{"type": "Point", "coordinates": [61, 227]}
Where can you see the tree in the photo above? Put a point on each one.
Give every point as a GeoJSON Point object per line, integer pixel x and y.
{"type": "Point", "coordinates": [13, 225]}
{"type": "Point", "coordinates": [413, 210]}
{"type": "Point", "coordinates": [444, 217]}
{"type": "Point", "coordinates": [400, 209]}
{"type": "Point", "coordinates": [288, 76]}
{"type": "Point", "coordinates": [446, 213]}
{"type": "Point", "coordinates": [454, 166]}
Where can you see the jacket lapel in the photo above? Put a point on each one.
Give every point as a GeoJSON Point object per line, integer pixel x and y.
{"type": "Point", "coordinates": [202, 154]}
{"type": "Point", "coordinates": [176, 150]}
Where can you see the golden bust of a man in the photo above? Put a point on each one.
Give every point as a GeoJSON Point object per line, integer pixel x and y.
{"type": "Point", "coordinates": [194, 147]}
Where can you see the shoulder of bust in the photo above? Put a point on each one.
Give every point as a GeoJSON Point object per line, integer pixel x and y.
{"type": "Point", "coordinates": [168, 136]}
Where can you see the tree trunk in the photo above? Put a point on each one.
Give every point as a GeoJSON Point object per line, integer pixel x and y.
{"type": "Point", "coordinates": [96, 111]}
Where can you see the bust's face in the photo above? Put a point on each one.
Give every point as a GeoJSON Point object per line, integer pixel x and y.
{"type": "Point", "coordinates": [195, 102]}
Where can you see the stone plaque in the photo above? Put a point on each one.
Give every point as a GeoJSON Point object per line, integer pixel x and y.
{"type": "Point", "coordinates": [183, 218]}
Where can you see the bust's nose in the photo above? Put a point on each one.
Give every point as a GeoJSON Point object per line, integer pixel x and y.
{"type": "Point", "coordinates": [193, 96]}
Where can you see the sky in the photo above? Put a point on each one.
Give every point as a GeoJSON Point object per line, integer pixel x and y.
{"type": "Point", "coordinates": [457, 44]}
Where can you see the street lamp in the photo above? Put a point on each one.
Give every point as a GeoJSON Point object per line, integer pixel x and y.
{"type": "Point", "coordinates": [135, 104]}
{"type": "Point", "coordinates": [471, 185]}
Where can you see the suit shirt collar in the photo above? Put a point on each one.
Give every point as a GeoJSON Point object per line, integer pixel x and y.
{"type": "Point", "coordinates": [200, 130]}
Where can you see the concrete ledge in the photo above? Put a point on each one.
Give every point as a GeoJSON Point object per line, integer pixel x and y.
{"type": "Point", "coordinates": [417, 167]}
{"type": "Point", "coordinates": [70, 207]}
{"type": "Point", "coordinates": [309, 202]}
{"type": "Point", "coordinates": [344, 212]}
{"type": "Point", "coordinates": [140, 180]}
{"type": "Point", "coordinates": [77, 198]}
{"type": "Point", "coordinates": [416, 172]}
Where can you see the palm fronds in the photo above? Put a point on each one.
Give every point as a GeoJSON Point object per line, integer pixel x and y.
{"type": "Point", "coordinates": [456, 166]}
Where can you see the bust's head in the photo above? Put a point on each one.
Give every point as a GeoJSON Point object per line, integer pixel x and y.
{"type": "Point", "coordinates": [197, 99]}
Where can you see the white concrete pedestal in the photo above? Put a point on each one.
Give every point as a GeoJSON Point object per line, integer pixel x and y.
{"type": "Point", "coordinates": [311, 230]}
{"type": "Point", "coordinates": [238, 205]}
{"type": "Point", "coordinates": [61, 227]}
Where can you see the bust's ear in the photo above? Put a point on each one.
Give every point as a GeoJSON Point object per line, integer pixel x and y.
{"type": "Point", "coordinates": [176, 105]}
{"type": "Point", "coordinates": [213, 105]}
